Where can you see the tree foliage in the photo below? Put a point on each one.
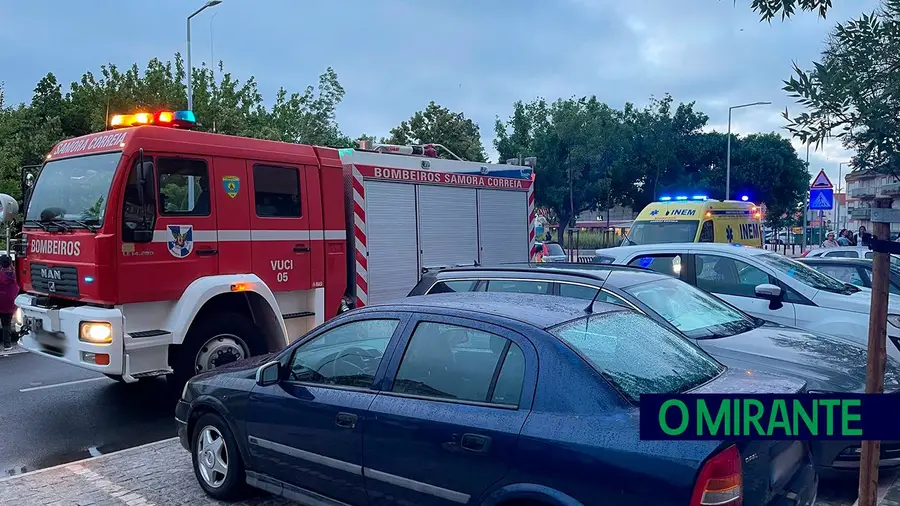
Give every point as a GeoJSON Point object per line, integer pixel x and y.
{"type": "Point", "coordinates": [222, 103]}
{"type": "Point", "coordinates": [439, 125]}
{"type": "Point", "coordinates": [853, 93]}
{"type": "Point", "coordinates": [633, 156]}
{"type": "Point", "coordinates": [768, 9]}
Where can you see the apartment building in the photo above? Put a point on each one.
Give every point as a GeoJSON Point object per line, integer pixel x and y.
{"type": "Point", "coordinates": [864, 188]}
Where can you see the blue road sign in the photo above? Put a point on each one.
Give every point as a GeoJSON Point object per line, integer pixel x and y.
{"type": "Point", "coordinates": [821, 199]}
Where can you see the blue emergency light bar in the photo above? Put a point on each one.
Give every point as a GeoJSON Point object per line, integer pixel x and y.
{"type": "Point", "coordinates": [665, 199]}
{"type": "Point", "coordinates": [745, 198]}
{"type": "Point", "coordinates": [682, 198]}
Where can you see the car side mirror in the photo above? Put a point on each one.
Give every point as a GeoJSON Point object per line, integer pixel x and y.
{"type": "Point", "coordinates": [268, 374]}
{"type": "Point", "coordinates": [770, 292]}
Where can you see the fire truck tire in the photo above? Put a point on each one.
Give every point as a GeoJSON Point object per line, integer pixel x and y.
{"type": "Point", "coordinates": [217, 339]}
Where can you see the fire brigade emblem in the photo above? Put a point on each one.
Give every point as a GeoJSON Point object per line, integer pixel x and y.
{"type": "Point", "coordinates": [180, 240]}
{"type": "Point", "coordinates": [232, 185]}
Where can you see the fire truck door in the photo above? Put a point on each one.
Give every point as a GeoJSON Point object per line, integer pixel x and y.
{"type": "Point", "coordinates": [185, 246]}
{"type": "Point", "coordinates": [280, 230]}
{"type": "Point", "coordinates": [232, 215]}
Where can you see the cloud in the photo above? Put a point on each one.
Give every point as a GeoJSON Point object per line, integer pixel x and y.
{"type": "Point", "coordinates": [394, 56]}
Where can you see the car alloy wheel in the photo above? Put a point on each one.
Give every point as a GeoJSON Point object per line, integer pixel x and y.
{"type": "Point", "coordinates": [212, 456]}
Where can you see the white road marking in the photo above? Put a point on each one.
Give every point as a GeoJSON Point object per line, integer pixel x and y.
{"type": "Point", "coordinates": [102, 483]}
{"type": "Point", "coordinates": [66, 383]}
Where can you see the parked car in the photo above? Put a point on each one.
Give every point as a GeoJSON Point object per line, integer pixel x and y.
{"type": "Point", "coordinates": [552, 252]}
{"type": "Point", "coordinates": [768, 285]}
{"type": "Point", "coordinates": [846, 252]}
{"type": "Point", "coordinates": [482, 399]}
{"type": "Point", "coordinates": [740, 341]}
{"type": "Point", "coordinates": [855, 271]}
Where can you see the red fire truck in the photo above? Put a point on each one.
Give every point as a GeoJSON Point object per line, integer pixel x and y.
{"type": "Point", "coordinates": [153, 249]}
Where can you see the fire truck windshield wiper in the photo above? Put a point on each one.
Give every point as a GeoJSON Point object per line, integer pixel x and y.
{"type": "Point", "coordinates": [86, 224]}
{"type": "Point", "coordinates": [60, 224]}
{"type": "Point", "coordinates": [38, 223]}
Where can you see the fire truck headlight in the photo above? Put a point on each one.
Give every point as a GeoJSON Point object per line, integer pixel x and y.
{"type": "Point", "coordinates": [95, 332]}
{"type": "Point", "coordinates": [18, 318]}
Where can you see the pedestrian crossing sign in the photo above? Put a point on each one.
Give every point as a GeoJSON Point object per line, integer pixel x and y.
{"type": "Point", "coordinates": [821, 199]}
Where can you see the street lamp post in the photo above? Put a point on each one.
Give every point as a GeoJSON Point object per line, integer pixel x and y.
{"type": "Point", "coordinates": [837, 202]}
{"type": "Point", "coordinates": [728, 154]}
{"type": "Point", "coordinates": [190, 69]}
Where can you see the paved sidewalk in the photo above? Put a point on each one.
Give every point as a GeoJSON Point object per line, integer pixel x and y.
{"type": "Point", "coordinates": [157, 474]}
{"type": "Point", "coordinates": [160, 474]}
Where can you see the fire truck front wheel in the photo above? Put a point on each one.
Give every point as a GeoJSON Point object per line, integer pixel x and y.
{"type": "Point", "coordinates": [214, 341]}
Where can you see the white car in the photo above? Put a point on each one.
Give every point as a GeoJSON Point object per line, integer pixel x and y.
{"type": "Point", "coordinates": [846, 252]}
{"type": "Point", "coordinates": [766, 285]}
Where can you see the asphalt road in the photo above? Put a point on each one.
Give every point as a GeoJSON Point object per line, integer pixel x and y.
{"type": "Point", "coordinates": [53, 413]}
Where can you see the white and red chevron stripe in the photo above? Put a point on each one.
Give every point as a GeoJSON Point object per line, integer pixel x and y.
{"type": "Point", "coordinates": [359, 231]}
{"type": "Point", "coordinates": [531, 217]}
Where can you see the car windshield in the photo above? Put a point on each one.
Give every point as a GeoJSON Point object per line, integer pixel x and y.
{"type": "Point", "coordinates": [805, 274]}
{"type": "Point", "coordinates": [895, 260]}
{"type": "Point", "coordinates": [691, 310]}
{"type": "Point", "coordinates": [73, 189]}
{"type": "Point", "coordinates": [661, 232]}
{"type": "Point", "coordinates": [637, 355]}
{"type": "Point", "coordinates": [554, 249]}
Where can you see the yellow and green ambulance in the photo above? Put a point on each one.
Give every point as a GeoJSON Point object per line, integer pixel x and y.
{"type": "Point", "coordinates": [698, 219]}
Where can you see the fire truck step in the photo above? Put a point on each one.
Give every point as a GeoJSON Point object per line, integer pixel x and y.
{"type": "Point", "coordinates": [301, 314]}
{"type": "Point", "coordinates": [147, 333]}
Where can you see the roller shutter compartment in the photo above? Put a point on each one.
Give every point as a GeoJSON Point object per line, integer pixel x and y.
{"type": "Point", "coordinates": [448, 226]}
{"type": "Point", "coordinates": [391, 236]}
{"type": "Point", "coordinates": [503, 222]}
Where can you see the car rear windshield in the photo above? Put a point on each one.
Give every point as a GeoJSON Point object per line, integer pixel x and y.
{"type": "Point", "coordinates": [637, 355]}
{"type": "Point", "coordinates": [554, 249]}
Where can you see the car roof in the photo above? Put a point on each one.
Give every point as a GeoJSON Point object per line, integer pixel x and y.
{"type": "Point", "coordinates": [542, 311]}
{"type": "Point", "coordinates": [700, 246]}
{"type": "Point", "coordinates": [592, 273]}
{"type": "Point", "coordinates": [836, 260]}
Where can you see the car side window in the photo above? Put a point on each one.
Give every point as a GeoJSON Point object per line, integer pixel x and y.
{"type": "Point", "coordinates": [517, 286]}
{"type": "Point", "coordinates": [453, 362]}
{"type": "Point", "coordinates": [842, 254]}
{"type": "Point", "coordinates": [347, 355]}
{"type": "Point", "coordinates": [461, 286]}
{"type": "Point", "coordinates": [587, 293]}
{"type": "Point", "coordinates": [727, 276]}
{"type": "Point", "coordinates": [707, 234]}
{"type": "Point", "coordinates": [665, 264]}
{"type": "Point", "coordinates": [183, 187]}
{"type": "Point", "coordinates": [600, 259]}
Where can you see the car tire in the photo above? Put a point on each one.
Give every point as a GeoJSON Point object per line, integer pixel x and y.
{"type": "Point", "coordinates": [228, 336]}
{"type": "Point", "coordinates": [217, 460]}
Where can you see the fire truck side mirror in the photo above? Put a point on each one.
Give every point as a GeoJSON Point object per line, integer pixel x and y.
{"type": "Point", "coordinates": [9, 208]}
{"type": "Point", "coordinates": [145, 172]}
{"type": "Point", "coordinates": [29, 180]}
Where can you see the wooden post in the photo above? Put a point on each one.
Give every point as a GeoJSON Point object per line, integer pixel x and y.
{"type": "Point", "coordinates": [876, 356]}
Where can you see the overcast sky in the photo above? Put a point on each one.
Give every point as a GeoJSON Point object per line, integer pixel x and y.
{"type": "Point", "coordinates": [478, 57]}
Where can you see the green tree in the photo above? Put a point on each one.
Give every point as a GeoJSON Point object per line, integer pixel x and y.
{"type": "Point", "coordinates": [439, 125]}
{"type": "Point", "coordinates": [853, 93]}
{"type": "Point", "coordinates": [580, 146]}
{"type": "Point", "coordinates": [768, 9]}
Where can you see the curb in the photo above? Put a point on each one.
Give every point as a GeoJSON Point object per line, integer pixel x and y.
{"type": "Point", "coordinates": [89, 459]}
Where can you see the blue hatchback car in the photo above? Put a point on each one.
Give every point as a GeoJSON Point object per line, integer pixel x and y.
{"type": "Point", "coordinates": [489, 399]}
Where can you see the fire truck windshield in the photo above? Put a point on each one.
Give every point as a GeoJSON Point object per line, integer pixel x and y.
{"type": "Point", "coordinates": [73, 190]}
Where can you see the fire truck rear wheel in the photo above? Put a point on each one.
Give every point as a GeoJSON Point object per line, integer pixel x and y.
{"type": "Point", "coordinates": [214, 341]}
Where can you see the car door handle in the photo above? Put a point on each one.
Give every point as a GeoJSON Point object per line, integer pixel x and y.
{"type": "Point", "coordinates": [207, 252]}
{"type": "Point", "coordinates": [301, 248]}
{"type": "Point", "coordinates": [346, 420]}
{"type": "Point", "coordinates": [475, 443]}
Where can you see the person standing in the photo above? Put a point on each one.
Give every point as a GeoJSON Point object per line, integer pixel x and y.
{"type": "Point", "coordinates": [829, 241]}
{"type": "Point", "coordinates": [9, 289]}
{"type": "Point", "coordinates": [842, 239]}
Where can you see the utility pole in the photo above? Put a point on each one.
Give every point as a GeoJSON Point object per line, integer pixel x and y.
{"type": "Point", "coordinates": [728, 154]}
{"type": "Point", "coordinates": [806, 204]}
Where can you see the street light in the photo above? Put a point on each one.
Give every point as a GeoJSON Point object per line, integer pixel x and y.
{"type": "Point", "coordinates": [837, 202]}
{"type": "Point", "coordinates": [728, 155]}
{"type": "Point", "coordinates": [190, 94]}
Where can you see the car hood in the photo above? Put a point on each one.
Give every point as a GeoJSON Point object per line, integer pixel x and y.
{"type": "Point", "coordinates": [827, 363]}
{"type": "Point", "coordinates": [858, 302]}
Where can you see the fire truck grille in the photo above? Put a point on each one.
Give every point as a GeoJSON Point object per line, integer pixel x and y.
{"type": "Point", "coordinates": [58, 280]}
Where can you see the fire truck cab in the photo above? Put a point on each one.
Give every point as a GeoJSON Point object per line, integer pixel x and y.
{"type": "Point", "coordinates": [152, 249]}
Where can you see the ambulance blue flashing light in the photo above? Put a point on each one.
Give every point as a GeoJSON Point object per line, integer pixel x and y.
{"type": "Point", "coordinates": [744, 198]}
{"type": "Point", "coordinates": [681, 197]}
{"type": "Point", "coordinates": [665, 199]}
{"type": "Point", "coordinates": [700, 197]}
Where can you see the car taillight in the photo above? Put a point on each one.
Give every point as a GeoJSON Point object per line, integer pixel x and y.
{"type": "Point", "coordinates": [805, 253]}
{"type": "Point", "coordinates": [720, 481]}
